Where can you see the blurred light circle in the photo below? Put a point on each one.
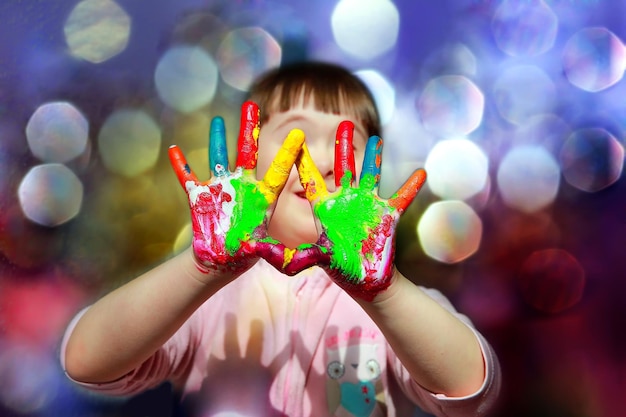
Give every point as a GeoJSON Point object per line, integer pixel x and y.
{"type": "Point", "coordinates": [528, 178]}
{"type": "Point", "coordinates": [451, 105]}
{"type": "Point", "coordinates": [50, 194]}
{"type": "Point", "coordinates": [186, 78]}
{"type": "Point", "coordinates": [592, 159]}
{"type": "Point", "coordinates": [406, 147]}
{"type": "Point", "coordinates": [594, 59]}
{"type": "Point", "coordinates": [246, 53]}
{"type": "Point", "coordinates": [383, 92]}
{"type": "Point", "coordinates": [552, 280]}
{"type": "Point", "coordinates": [524, 28]}
{"type": "Point", "coordinates": [457, 169]}
{"type": "Point", "coordinates": [129, 142]}
{"type": "Point", "coordinates": [393, 175]}
{"type": "Point", "coordinates": [452, 59]}
{"type": "Point", "coordinates": [57, 132]}
{"type": "Point", "coordinates": [547, 130]}
{"type": "Point", "coordinates": [365, 29]}
{"type": "Point", "coordinates": [522, 92]}
{"type": "Point", "coordinates": [97, 30]}
{"type": "Point", "coordinates": [28, 379]}
{"type": "Point", "coordinates": [449, 231]}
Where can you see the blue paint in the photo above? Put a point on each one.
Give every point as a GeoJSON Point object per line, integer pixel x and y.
{"type": "Point", "coordinates": [218, 153]}
{"type": "Point", "coordinates": [372, 160]}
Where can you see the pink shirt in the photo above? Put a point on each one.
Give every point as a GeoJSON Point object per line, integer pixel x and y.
{"type": "Point", "coordinates": [272, 345]}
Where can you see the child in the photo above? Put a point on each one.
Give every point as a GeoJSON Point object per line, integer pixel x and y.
{"type": "Point", "coordinates": [235, 333]}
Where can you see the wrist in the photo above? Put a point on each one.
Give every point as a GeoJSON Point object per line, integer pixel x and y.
{"type": "Point", "coordinates": [389, 292]}
{"type": "Point", "coordinates": [205, 274]}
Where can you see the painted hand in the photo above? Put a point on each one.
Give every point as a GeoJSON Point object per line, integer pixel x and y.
{"type": "Point", "coordinates": [230, 211]}
{"type": "Point", "coordinates": [357, 228]}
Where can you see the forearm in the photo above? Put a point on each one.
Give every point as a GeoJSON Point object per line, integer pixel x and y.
{"type": "Point", "coordinates": [440, 352]}
{"type": "Point", "coordinates": [121, 330]}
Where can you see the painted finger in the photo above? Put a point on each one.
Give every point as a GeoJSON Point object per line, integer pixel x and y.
{"type": "Point", "coordinates": [310, 177]}
{"type": "Point", "coordinates": [278, 172]}
{"type": "Point", "coordinates": [370, 174]}
{"type": "Point", "coordinates": [306, 256]}
{"type": "Point", "coordinates": [344, 154]}
{"type": "Point", "coordinates": [180, 166]}
{"type": "Point", "coordinates": [218, 152]}
{"type": "Point", "coordinates": [247, 144]}
{"type": "Point", "coordinates": [408, 191]}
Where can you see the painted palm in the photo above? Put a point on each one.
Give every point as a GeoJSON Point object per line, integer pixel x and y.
{"type": "Point", "coordinates": [231, 210]}
{"type": "Point", "coordinates": [357, 227]}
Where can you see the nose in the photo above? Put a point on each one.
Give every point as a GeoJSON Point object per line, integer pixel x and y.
{"type": "Point", "coordinates": [323, 154]}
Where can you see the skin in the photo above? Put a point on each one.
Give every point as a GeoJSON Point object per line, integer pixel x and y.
{"type": "Point", "coordinates": [122, 329]}
{"type": "Point", "coordinates": [231, 210]}
{"type": "Point", "coordinates": [357, 227]}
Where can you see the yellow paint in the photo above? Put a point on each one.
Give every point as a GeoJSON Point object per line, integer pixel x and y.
{"type": "Point", "coordinates": [288, 256]}
{"type": "Point", "coordinates": [310, 177]}
{"type": "Point", "coordinates": [279, 170]}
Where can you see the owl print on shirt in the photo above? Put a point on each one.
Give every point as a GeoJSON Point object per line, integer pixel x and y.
{"type": "Point", "coordinates": [354, 367]}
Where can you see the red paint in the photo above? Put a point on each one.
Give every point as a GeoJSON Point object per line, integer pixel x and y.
{"type": "Point", "coordinates": [208, 209]}
{"type": "Point", "coordinates": [375, 242]}
{"type": "Point", "coordinates": [344, 155]}
{"type": "Point", "coordinates": [247, 144]}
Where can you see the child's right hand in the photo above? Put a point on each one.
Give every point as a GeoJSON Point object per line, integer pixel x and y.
{"type": "Point", "coordinates": [231, 210]}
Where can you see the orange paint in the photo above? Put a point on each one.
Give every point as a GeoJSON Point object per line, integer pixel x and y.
{"type": "Point", "coordinates": [310, 177]}
{"type": "Point", "coordinates": [408, 191]}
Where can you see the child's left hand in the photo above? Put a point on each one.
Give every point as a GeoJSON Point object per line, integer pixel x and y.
{"type": "Point", "coordinates": [357, 227]}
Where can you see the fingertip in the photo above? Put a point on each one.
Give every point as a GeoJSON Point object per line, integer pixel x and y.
{"type": "Point", "coordinates": [294, 140]}
{"type": "Point", "coordinates": [296, 135]}
{"type": "Point", "coordinates": [420, 176]}
{"type": "Point", "coordinates": [346, 126]}
{"type": "Point", "coordinates": [217, 125]}
{"type": "Point", "coordinates": [174, 153]}
{"type": "Point", "coordinates": [249, 105]}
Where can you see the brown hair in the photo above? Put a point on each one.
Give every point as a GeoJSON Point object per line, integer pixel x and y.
{"type": "Point", "coordinates": [332, 88]}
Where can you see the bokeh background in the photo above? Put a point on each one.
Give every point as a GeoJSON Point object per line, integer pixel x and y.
{"type": "Point", "coordinates": [517, 109]}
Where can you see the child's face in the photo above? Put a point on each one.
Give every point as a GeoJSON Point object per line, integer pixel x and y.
{"type": "Point", "coordinates": [292, 222]}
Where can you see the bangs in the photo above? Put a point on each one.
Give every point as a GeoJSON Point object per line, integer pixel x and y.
{"type": "Point", "coordinates": [329, 88]}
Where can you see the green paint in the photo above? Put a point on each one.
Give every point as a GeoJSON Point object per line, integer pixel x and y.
{"type": "Point", "coordinates": [248, 213]}
{"type": "Point", "coordinates": [269, 239]}
{"type": "Point", "coordinates": [306, 246]}
{"type": "Point", "coordinates": [348, 219]}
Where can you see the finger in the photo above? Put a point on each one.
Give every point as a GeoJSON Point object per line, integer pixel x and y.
{"type": "Point", "coordinates": [408, 191]}
{"type": "Point", "coordinates": [218, 152]}
{"type": "Point", "coordinates": [180, 166]}
{"type": "Point", "coordinates": [344, 154]}
{"type": "Point", "coordinates": [306, 256]}
{"type": "Point", "coordinates": [278, 172]}
{"type": "Point", "coordinates": [310, 177]}
{"type": "Point", "coordinates": [370, 174]}
{"type": "Point", "coordinates": [247, 144]}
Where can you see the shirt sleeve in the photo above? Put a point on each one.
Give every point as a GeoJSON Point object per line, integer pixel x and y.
{"type": "Point", "coordinates": [477, 404]}
{"type": "Point", "coordinates": [172, 361]}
